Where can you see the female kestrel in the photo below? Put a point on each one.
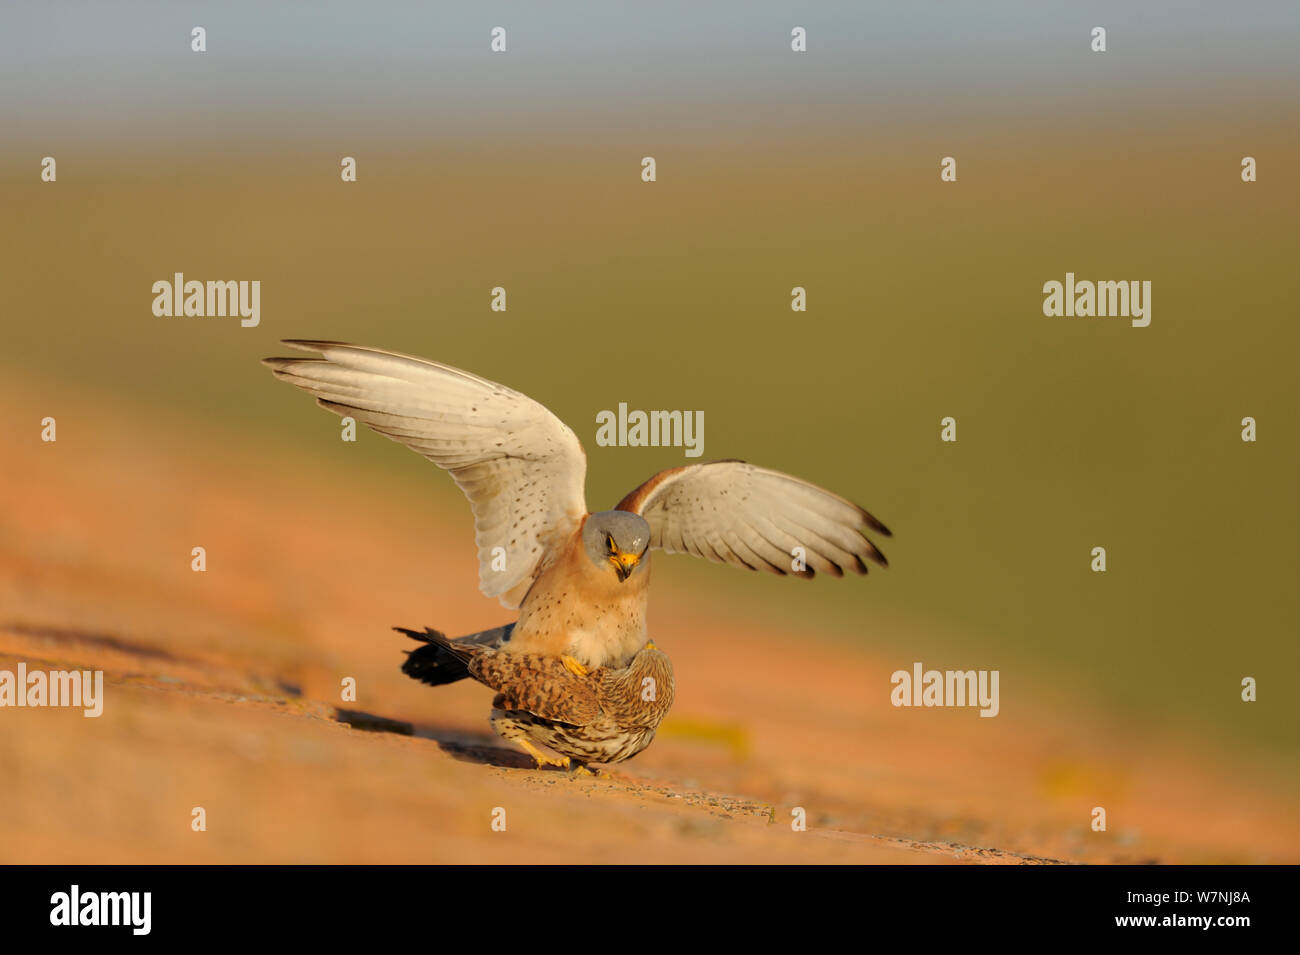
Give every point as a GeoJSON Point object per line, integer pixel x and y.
{"type": "Point", "coordinates": [578, 579]}
{"type": "Point", "coordinates": [604, 715]}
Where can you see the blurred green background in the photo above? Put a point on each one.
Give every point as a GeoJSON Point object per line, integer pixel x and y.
{"type": "Point", "coordinates": [924, 297]}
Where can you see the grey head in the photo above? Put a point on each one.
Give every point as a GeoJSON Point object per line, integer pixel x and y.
{"type": "Point", "coordinates": [617, 540]}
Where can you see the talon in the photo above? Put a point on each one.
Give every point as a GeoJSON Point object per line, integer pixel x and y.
{"type": "Point", "coordinates": [573, 666]}
{"type": "Point", "coordinates": [581, 770]}
{"type": "Point", "coordinates": [540, 758]}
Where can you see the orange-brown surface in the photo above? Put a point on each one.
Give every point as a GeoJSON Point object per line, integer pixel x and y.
{"type": "Point", "coordinates": [223, 692]}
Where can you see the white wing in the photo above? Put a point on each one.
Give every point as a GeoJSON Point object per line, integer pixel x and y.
{"type": "Point", "coordinates": [520, 466]}
{"type": "Point", "coordinates": [735, 513]}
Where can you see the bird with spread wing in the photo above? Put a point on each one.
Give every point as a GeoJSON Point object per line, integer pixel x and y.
{"type": "Point", "coordinates": [578, 658]}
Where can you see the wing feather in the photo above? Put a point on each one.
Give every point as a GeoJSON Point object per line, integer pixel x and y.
{"type": "Point", "coordinates": [540, 685]}
{"type": "Point", "coordinates": [735, 513]}
{"type": "Point", "coordinates": [520, 466]}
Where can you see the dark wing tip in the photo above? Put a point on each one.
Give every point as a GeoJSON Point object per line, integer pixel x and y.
{"type": "Point", "coordinates": [873, 523]}
{"type": "Point", "coordinates": [428, 636]}
{"type": "Point", "coordinates": [279, 363]}
{"type": "Point", "coordinates": [873, 552]}
{"type": "Point", "coordinates": [307, 344]}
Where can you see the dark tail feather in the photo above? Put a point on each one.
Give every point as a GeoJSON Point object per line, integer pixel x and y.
{"type": "Point", "coordinates": [441, 660]}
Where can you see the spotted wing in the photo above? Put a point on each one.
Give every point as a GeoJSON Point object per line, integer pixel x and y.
{"type": "Point", "coordinates": [735, 513]}
{"type": "Point", "coordinates": [520, 466]}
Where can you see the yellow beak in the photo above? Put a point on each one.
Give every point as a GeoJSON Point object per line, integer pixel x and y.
{"type": "Point", "coordinates": [624, 564]}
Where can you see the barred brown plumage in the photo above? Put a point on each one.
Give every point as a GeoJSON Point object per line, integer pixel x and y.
{"type": "Point", "coordinates": [604, 715]}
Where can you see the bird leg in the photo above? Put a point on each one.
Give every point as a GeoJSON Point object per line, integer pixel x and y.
{"type": "Point", "coordinates": [541, 758]}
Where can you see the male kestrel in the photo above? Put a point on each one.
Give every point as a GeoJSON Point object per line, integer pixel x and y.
{"type": "Point", "coordinates": [578, 579]}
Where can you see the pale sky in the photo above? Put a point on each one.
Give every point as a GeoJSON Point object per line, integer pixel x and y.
{"type": "Point", "coordinates": [124, 68]}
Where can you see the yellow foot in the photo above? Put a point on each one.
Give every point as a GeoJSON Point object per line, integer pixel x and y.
{"type": "Point", "coordinates": [541, 758]}
{"type": "Point", "coordinates": [581, 770]}
{"type": "Point", "coordinates": [573, 666]}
